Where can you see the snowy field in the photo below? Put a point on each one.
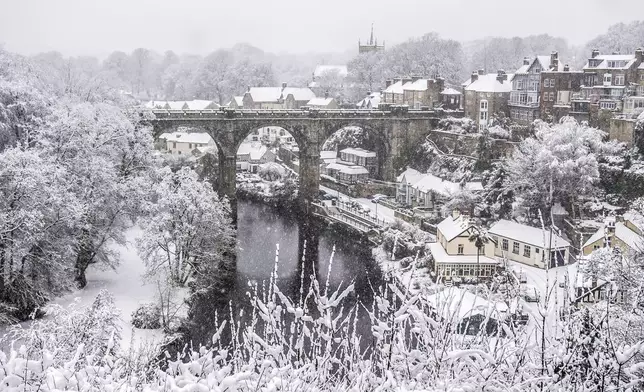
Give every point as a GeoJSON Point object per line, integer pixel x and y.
{"type": "Point", "coordinates": [127, 285]}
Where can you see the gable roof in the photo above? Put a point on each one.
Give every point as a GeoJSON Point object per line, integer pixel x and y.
{"type": "Point", "coordinates": [488, 83]}
{"type": "Point", "coordinates": [410, 176]}
{"type": "Point", "coordinates": [599, 234]}
{"type": "Point", "coordinates": [371, 101]}
{"type": "Point", "coordinates": [274, 94]}
{"type": "Point", "coordinates": [629, 59]}
{"type": "Point", "coordinates": [527, 234]}
{"type": "Point", "coordinates": [628, 236]}
{"type": "Point", "coordinates": [185, 137]}
{"type": "Point", "coordinates": [429, 182]}
{"type": "Point", "coordinates": [361, 152]}
{"type": "Point", "coordinates": [452, 228]}
{"type": "Point", "coordinates": [450, 91]}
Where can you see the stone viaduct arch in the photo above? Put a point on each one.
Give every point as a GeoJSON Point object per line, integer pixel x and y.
{"type": "Point", "coordinates": [397, 126]}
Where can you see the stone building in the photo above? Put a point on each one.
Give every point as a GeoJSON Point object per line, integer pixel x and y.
{"type": "Point", "coordinates": [485, 95]}
{"type": "Point", "coordinates": [371, 46]}
{"type": "Point", "coordinates": [414, 92]}
{"type": "Point", "coordinates": [277, 97]}
{"type": "Point", "coordinates": [613, 84]}
{"type": "Point", "coordinates": [558, 89]}
{"type": "Point", "coordinates": [526, 87]}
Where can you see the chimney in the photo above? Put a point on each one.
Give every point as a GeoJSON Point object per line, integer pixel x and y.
{"type": "Point", "coordinates": [326, 94]}
{"type": "Point", "coordinates": [475, 76]}
{"type": "Point", "coordinates": [388, 83]}
{"type": "Point", "coordinates": [406, 80]}
{"type": "Point", "coordinates": [594, 53]}
{"type": "Point", "coordinates": [639, 55]}
{"type": "Point", "coordinates": [526, 61]}
{"type": "Point", "coordinates": [283, 85]}
{"type": "Point", "coordinates": [396, 80]}
{"type": "Point", "coordinates": [248, 90]}
{"type": "Point", "coordinates": [481, 72]}
{"type": "Point", "coordinates": [501, 76]}
{"type": "Point", "coordinates": [566, 68]}
{"type": "Point", "coordinates": [554, 60]}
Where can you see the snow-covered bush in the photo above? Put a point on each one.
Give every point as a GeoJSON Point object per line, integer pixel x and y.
{"type": "Point", "coordinates": [147, 316]}
{"type": "Point", "coordinates": [498, 132]}
{"type": "Point", "coordinates": [271, 171]}
{"type": "Point", "coordinates": [458, 125]}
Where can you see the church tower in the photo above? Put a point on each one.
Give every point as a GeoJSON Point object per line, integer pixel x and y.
{"type": "Point", "coordinates": [372, 45]}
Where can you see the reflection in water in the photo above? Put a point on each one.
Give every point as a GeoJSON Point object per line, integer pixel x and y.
{"type": "Point", "coordinates": [260, 229]}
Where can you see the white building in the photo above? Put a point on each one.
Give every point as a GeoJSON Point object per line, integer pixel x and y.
{"type": "Point", "coordinates": [360, 157]}
{"type": "Point", "coordinates": [529, 245]}
{"type": "Point", "coordinates": [456, 256]}
{"type": "Point", "coordinates": [416, 189]}
{"type": "Point", "coordinates": [251, 155]}
{"type": "Point", "coordinates": [347, 173]}
{"type": "Point", "coordinates": [197, 104]}
{"type": "Point", "coordinates": [184, 143]}
{"type": "Point", "coordinates": [371, 101]}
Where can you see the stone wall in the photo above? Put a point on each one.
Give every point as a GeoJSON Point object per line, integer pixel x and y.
{"type": "Point", "coordinates": [622, 130]}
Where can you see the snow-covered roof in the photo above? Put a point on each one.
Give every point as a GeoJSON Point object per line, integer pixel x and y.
{"type": "Point", "coordinates": [456, 304]}
{"type": "Point", "coordinates": [371, 101]}
{"type": "Point", "coordinates": [417, 85]}
{"type": "Point", "coordinates": [452, 228]}
{"type": "Point", "coordinates": [430, 182]}
{"type": "Point", "coordinates": [488, 83]}
{"type": "Point", "coordinates": [527, 234]}
{"type": "Point", "coordinates": [450, 91]}
{"type": "Point", "coordinates": [185, 137]}
{"type": "Point", "coordinates": [410, 176]}
{"type": "Point", "coordinates": [201, 104]}
{"type": "Point", "coordinates": [239, 101]}
{"type": "Point", "coordinates": [319, 101]}
{"type": "Point", "coordinates": [599, 234]}
{"type": "Point", "coordinates": [328, 154]}
{"type": "Point", "coordinates": [628, 60]}
{"type": "Point", "coordinates": [628, 236]}
{"type": "Point", "coordinates": [347, 169]}
{"type": "Point", "coordinates": [174, 105]}
{"type": "Point", "coordinates": [359, 152]}
{"type": "Point", "coordinates": [322, 69]}
{"type": "Point", "coordinates": [394, 88]}
{"type": "Point", "coordinates": [273, 94]}
{"type": "Point", "coordinates": [255, 150]}
{"type": "Point", "coordinates": [636, 219]}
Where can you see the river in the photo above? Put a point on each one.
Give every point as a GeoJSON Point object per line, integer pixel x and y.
{"type": "Point", "coordinates": [261, 229]}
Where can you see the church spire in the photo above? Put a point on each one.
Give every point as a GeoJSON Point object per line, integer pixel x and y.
{"type": "Point", "coordinates": [371, 39]}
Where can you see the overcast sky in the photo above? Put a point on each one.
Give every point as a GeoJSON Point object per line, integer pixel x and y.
{"type": "Point", "coordinates": [98, 27]}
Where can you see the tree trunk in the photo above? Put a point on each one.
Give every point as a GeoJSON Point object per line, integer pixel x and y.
{"type": "Point", "coordinates": [83, 259]}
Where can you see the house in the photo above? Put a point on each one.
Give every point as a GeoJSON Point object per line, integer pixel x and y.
{"type": "Point", "coordinates": [468, 312]}
{"type": "Point", "coordinates": [526, 87]}
{"type": "Point", "coordinates": [451, 99]}
{"type": "Point", "coordinates": [455, 256]}
{"type": "Point", "coordinates": [347, 173]}
{"type": "Point", "coordinates": [486, 95]}
{"type": "Point", "coordinates": [612, 83]}
{"type": "Point", "coordinates": [289, 152]}
{"type": "Point", "coordinates": [361, 157]}
{"type": "Point", "coordinates": [236, 103]}
{"type": "Point", "coordinates": [621, 232]}
{"type": "Point", "coordinates": [323, 103]}
{"type": "Point", "coordinates": [371, 101]}
{"type": "Point", "coordinates": [589, 289]}
{"type": "Point", "coordinates": [327, 158]}
{"type": "Point", "coordinates": [417, 189]}
{"type": "Point", "coordinates": [414, 92]}
{"type": "Point", "coordinates": [277, 97]}
{"type": "Point", "coordinates": [270, 135]}
{"type": "Point", "coordinates": [251, 155]}
{"type": "Point", "coordinates": [528, 245]}
{"type": "Point", "coordinates": [182, 143]}
{"type": "Point", "coordinates": [558, 89]}
{"type": "Point", "coordinates": [371, 46]}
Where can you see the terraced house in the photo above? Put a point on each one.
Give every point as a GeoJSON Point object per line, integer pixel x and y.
{"type": "Point", "coordinates": [416, 92]}
{"type": "Point", "coordinates": [526, 87]}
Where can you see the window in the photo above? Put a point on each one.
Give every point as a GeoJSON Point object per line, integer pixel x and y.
{"type": "Point", "coordinates": [460, 249]}
{"type": "Point", "coordinates": [496, 241]}
{"type": "Point", "coordinates": [174, 144]}
{"type": "Point", "coordinates": [552, 83]}
{"type": "Point", "coordinates": [504, 244]}
{"type": "Point", "coordinates": [483, 116]}
{"type": "Point", "coordinates": [546, 83]}
{"type": "Point", "coordinates": [640, 90]}
{"type": "Point", "coordinates": [515, 247]}
{"type": "Point", "coordinates": [520, 84]}
{"type": "Point", "coordinates": [619, 80]}
{"type": "Point", "coordinates": [595, 247]}
{"type": "Point", "coordinates": [536, 250]}
{"type": "Point", "coordinates": [608, 78]}
{"type": "Point", "coordinates": [608, 105]}
{"type": "Point", "coordinates": [526, 250]}
{"type": "Point", "coordinates": [642, 77]}
{"type": "Point", "coordinates": [484, 105]}
{"type": "Point", "coordinates": [190, 146]}
{"type": "Point", "coordinates": [552, 96]}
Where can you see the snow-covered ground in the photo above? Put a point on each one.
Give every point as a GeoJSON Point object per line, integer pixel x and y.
{"type": "Point", "coordinates": [128, 287]}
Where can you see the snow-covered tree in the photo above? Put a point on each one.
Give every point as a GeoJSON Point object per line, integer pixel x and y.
{"type": "Point", "coordinates": [560, 158]}
{"type": "Point", "coordinates": [186, 226]}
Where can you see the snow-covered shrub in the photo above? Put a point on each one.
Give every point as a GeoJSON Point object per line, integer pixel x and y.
{"type": "Point", "coordinates": [147, 316]}
{"type": "Point", "coordinates": [458, 125]}
{"type": "Point", "coordinates": [497, 132]}
{"type": "Point", "coordinates": [271, 171]}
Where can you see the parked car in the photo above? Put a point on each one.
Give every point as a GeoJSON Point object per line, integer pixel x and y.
{"type": "Point", "coordinates": [530, 293]}
{"type": "Point", "coordinates": [377, 197]}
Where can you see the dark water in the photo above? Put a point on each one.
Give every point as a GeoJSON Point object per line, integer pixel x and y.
{"type": "Point", "coordinates": [260, 229]}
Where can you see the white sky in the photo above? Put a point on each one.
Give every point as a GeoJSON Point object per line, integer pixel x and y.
{"type": "Point", "coordinates": [98, 27]}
